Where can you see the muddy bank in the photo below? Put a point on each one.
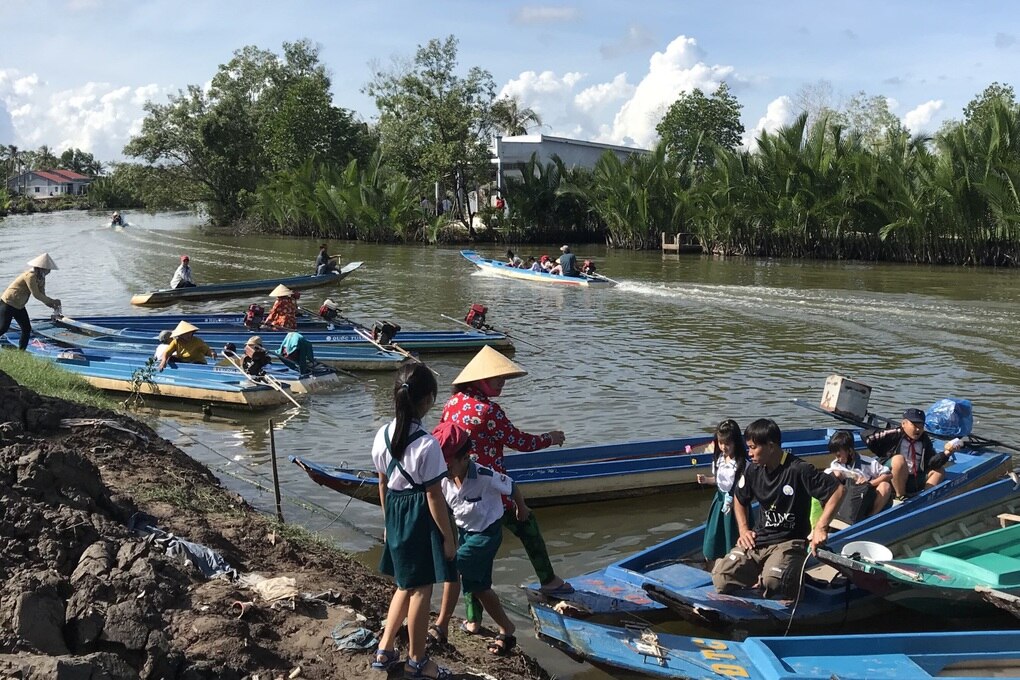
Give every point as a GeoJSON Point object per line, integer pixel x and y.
{"type": "Point", "coordinates": [83, 597]}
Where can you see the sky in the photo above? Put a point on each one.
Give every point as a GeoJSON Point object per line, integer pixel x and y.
{"type": "Point", "coordinates": [77, 73]}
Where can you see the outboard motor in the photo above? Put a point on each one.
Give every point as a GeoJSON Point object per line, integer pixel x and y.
{"type": "Point", "coordinates": [329, 310]}
{"type": "Point", "coordinates": [476, 316]}
{"type": "Point", "coordinates": [384, 331]}
{"type": "Point", "coordinates": [588, 267]}
{"type": "Point", "coordinates": [254, 316]}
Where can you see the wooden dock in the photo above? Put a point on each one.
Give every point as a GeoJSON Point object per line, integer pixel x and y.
{"type": "Point", "coordinates": [683, 242]}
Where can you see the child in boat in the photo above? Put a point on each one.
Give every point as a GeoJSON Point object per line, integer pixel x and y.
{"type": "Point", "coordinates": [547, 264]}
{"type": "Point", "coordinates": [729, 458]}
{"type": "Point", "coordinates": [419, 543]}
{"type": "Point", "coordinates": [534, 265]}
{"type": "Point", "coordinates": [475, 496]}
{"type": "Point", "coordinates": [513, 260]}
{"type": "Point", "coordinates": [850, 465]}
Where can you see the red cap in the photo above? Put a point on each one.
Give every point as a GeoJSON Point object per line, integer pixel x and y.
{"type": "Point", "coordinates": [452, 438]}
{"type": "Point", "coordinates": [185, 258]}
{"type": "Point", "coordinates": [544, 258]}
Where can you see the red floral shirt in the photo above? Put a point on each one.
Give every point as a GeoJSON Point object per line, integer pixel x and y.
{"type": "Point", "coordinates": [489, 428]}
{"type": "Point", "coordinates": [283, 314]}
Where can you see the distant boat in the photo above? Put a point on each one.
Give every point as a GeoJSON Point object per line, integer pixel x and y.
{"type": "Point", "coordinates": [945, 580]}
{"type": "Point", "coordinates": [583, 474]}
{"type": "Point", "coordinates": [501, 268]}
{"type": "Point", "coordinates": [237, 288]}
{"type": "Point", "coordinates": [984, 654]}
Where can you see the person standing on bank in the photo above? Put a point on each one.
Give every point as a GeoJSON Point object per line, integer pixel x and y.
{"type": "Point", "coordinates": [471, 407]}
{"type": "Point", "coordinates": [419, 545]}
{"type": "Point", "coordinates": [182, 277]}
{"type": "Point", "coordinates": [28, 284]}
{"type": "Point", "coordinates": [772, 553]}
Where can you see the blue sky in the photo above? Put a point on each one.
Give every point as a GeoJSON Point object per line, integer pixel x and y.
{"type": "Point", "coordinates": [77, 72]}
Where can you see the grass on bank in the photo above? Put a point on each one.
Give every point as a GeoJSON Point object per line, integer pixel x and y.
{"type": "Point", "coordinates": [52, 381]}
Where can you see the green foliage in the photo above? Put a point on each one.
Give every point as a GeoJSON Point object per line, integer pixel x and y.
{"type": "Point", "coordinates": [547, 203]}
{"type": "Point", "coordinates": [871, 117]}
{"type": "Point", "coordinates": [696, 124]}
{"type": "Point", "coordinates": [50, 380]}
{"type": "Point", "coordinates": [81, 162]}
{"type": "Point", "coordinates": [509, 118]}
{"type": "Point", "coordinates": [978, 108]}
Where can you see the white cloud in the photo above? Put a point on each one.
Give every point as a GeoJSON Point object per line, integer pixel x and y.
{"type": "Point", "coordinates": [599, 95]}
{"type": "Point", "coordinates": [780, 112]}
{"type": "Point", "coordinates": [546, 14]}
{"type": "Point", "coordinates": [916, 119]}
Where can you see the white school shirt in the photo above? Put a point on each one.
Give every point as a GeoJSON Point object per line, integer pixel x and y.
{"type": "Point", "coordinates": [422, 460]}
{"type": "Point", "coordinates": [865, 465]}
{"type": "Point", "coordinates": [479, 501]}
{"type": "Point", "coordinates": [725, 472]}
{"type": "Point", "coordinates": [161, 350]}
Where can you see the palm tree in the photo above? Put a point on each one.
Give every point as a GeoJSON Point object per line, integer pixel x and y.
{"type": "Point", "coordinates": [509, 118]}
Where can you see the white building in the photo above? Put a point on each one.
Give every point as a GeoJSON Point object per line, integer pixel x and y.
{"type": "Point", "coordinates": [43, 184]}
{"type": "Point", "coordinates": [510, 154]}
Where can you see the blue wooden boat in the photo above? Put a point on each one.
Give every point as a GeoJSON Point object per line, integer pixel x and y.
{"type": "Point", "coordinates": [889, 656]}
{"type": "Point", "coordinates": [674, 571]}
{"type": "Point", "coordinates": [178, 381]}
{"type": "Point", "coordinates": [236, 288]}
{"type": "Point", "coordinates": [944, 580]}
{"type": "Point", "coordinates": [316, 331]}
{"type": "Point", "coordinates": [584, 474]}
{"type": "Point", "coordinates": [499, 268]}
{"type": "Point", "coordinates": [355, 357]}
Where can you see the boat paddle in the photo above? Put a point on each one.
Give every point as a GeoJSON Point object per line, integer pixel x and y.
{"type": "Point", "coordinates": [266, 378]}
{"type": "Point", "coordinates": [362, 330]}
{"type": "Point", "coordinates": [489, 329]}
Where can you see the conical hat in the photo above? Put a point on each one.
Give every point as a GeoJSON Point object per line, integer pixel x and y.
{"type": "Point", "coordinates": [489, 363]}
{"type": "Point", "coordinates": [281, 291]}
{"type": "Point", "coordinates": [44, 261]}
{"type": "Point", "coordinates": [182, 328]}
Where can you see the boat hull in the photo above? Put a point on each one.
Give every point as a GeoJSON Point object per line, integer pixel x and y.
{"type": "Point", "coordinates": [506, 271]}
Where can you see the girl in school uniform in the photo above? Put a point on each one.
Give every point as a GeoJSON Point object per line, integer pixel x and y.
{"type": "Point", "coordinates": [728, 462]}
{"type": "Point", "coordinates": [475, 496]}
{"type": "Point", "coordinates": [419, 542]}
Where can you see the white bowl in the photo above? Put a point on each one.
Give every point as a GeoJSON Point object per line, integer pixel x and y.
{"type": "Point", "coordinates": [869, 550]}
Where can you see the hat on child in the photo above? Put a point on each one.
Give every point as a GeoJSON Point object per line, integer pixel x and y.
{"type": "Point", "coordinates": [914, 415]}
{"type": "Point", "coordinates": [452, 439]}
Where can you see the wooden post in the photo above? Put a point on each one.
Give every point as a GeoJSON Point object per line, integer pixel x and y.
{"type": "Point", "coordinates": [276, 475]}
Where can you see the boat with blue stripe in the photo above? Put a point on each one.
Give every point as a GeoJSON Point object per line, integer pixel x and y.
{"type": "Point", "coordinates": [316, 331]}
{"type": "Point", "coordinates": [670, 580]}
{"type": "Point", "coordinates": [886, 656]}
{"type": "Point", "coordinates": [500, 268]}
{"type": "Point", "coordinates": [585, 474]}
{"type": "Point", "coordinates": [212, 291]}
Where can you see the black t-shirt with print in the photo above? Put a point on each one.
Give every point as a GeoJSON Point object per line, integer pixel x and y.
{"type": "Point", "coordinates": [785, 497]}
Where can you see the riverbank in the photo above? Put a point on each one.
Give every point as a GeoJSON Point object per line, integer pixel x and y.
{"type": "Point", "coordinates": [84, 595]}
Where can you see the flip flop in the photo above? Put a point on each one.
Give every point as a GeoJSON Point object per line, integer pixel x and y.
{"type": "Point", "coordinates": [559, 591]}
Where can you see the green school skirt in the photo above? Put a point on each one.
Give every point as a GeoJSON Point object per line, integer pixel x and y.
{"type": "Point", "coordinates": [475, 556]}
{"type": "Point", "coordinates": [720, 529]}
{"type": "Point", "coordinates": [413, 554]}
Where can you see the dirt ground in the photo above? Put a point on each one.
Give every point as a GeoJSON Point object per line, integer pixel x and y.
{"type": "Point", "coordinates": [85, 598]}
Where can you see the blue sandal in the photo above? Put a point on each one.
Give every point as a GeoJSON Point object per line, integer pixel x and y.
{"type": "Point", "coordinates": [385, 660]}
{"type": "Point", "coordinates": [415, 670]}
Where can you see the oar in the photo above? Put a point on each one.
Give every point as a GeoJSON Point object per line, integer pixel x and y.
{"type": "Point", "coordinates": [493, 330]}
{"type": "Point", "coordinates": [269, 380]}
{"type": "Point", "coordinates": [362, 330]}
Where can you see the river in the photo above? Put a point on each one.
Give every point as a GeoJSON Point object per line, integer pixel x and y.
{"type": "Point", "coordinates": [679, 345]}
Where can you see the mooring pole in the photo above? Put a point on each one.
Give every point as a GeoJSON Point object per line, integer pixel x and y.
{"type": "Point", "coordinates": [276, 475]}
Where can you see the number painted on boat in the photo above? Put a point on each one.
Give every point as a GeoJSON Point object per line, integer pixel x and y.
{"type": "Point", "coordinates": [716, 650]}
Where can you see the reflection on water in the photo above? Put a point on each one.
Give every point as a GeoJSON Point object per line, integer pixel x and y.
{"type": "Point", "coordinates": [678, 346]}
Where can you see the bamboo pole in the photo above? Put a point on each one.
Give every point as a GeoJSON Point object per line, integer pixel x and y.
{"type": "Point", "coordinates": [276, 474]}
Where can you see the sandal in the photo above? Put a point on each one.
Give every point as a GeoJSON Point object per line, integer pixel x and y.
{"type": "Point", "coordinates": [559, 591]}
{"type": "Point", "coordinates": [436, 635]}
{"type": "Point", "coordinates": [415, 670]}
{"type": "Point", "coordinates": [385, 659]}
{"type": "Point", "coordinates": [503, 644]}
{"type": "Point", "coordinates": [468, 631]}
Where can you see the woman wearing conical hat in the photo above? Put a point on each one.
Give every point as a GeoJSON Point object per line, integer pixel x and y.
{"type": "Point", "coordinates": [472, 408]}
{"type": "Point", "coordinates": [14, 299]}
{"type": "Point", "coordinates": [283, 315]}
{"type": "Point", "coordinates": [186, 347]}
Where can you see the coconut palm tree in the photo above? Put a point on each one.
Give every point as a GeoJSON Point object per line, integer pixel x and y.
{"type": "Point", "coordinates": [510, 118]}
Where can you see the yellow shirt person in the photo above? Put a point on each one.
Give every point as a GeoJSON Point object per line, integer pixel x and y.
{"type": "Point", "coordinates": [185, 347]}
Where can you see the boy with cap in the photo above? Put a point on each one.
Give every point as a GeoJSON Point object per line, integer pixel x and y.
{"type": "Point", "coordinates": [910, 454]}
{"type": "Point", "coordinates": [475, 496]}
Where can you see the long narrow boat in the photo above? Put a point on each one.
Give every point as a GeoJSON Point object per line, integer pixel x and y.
{"type": "Point", "coordinates": [590, 473]}
{"type": "Point", "coordinates": [503, 269]}
{"type": "Point", "coordinates": [356, 357]}
{"type": "Point", "coordinates": [675, 570]}
{"type": "Point", "coordinates": [944, 580]}
{"type": "Point", "coordinates": [180, 381]}
{"type": "Point", "coordinates": [235, 288]}
{"type": "Point", "coordinates": [891, 656]}
{"type": "Point", "coordinates": [317, 332]}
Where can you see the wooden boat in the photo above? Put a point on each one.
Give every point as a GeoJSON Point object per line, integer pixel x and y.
{"type": "Point", "coordinates": [179, 381]}
{"type": "Point", "coordinates": [589, 473]}
{"type": "Point", "coordinates": [356, 357]}
{"type": "Point", "coordinates": [984, 654]}
{"type": "Point", "coordinates": [503, 269]}
{"type": "Point", "coordinates": [674, 571]}
{"type": "Point", "coordinates": [236, 288]}
{"type": "Point", "coordinates": [944, 580]}
{"type": "Point", "coordinates": [314, 330]}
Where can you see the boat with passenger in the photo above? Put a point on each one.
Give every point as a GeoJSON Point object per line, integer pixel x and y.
{"type": "Point", "coordinates": [500, 268]}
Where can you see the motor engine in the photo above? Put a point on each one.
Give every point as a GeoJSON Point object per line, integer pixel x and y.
{"type": "Point", "coordinates": [329, 310]}
{"type": "Point", "coordinates": [254, 316]}
{"type": "Point", "coordinates": [476, 316]}
{"type": "Point", "coordinates": [384, 331]}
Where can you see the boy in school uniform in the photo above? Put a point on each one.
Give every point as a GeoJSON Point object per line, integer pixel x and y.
{"type": "Point", "coordinates": [475, 496]}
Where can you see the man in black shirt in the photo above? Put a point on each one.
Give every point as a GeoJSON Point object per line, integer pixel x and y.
{"type": "Point", "coordinates": [773, 552]}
